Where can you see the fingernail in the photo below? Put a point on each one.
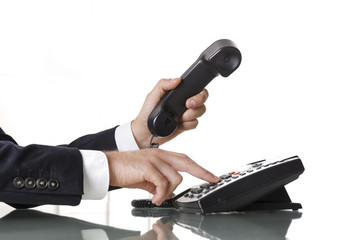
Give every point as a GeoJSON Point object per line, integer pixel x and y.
{"type": "Point", "coordinates": [174, 79]}
{"type": "Point", "coordinates": [218, 179]}
{"type": "Point", "coordinates": [192, 103]}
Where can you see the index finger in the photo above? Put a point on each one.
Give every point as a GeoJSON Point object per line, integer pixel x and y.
{"type": "Point", "coordinates": [183, 163]}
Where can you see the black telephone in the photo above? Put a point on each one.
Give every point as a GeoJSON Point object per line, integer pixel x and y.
{"type": "Point", "coordinates": [257, 186]}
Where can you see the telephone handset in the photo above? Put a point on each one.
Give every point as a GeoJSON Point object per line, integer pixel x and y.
{"type": "Point", "coordinates": [222, 57]}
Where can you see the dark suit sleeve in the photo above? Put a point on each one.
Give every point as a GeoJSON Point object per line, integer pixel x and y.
{"type": "Point", "coordinates": [38, 174]}
{"type": "Point", "coordinates": [102, 141]}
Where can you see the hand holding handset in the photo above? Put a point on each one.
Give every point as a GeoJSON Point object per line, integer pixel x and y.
{"type": "Point", "coordinates": [260, 186]}
{"type": "Point", "coordinates": [222, 57]}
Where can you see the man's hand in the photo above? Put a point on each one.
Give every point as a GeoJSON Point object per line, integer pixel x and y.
{"type": "Point", "coordinates": [153, 170]}
{"type": "Point", "coordinates": [160, 231]}
{"type": "Point", "coordinates": [188, 121]}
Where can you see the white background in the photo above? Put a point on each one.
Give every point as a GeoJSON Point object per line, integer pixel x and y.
{"type": "Point", "coordinates": [68, 68]}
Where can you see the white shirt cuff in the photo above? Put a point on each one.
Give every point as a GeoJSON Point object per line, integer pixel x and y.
{"type": "Point", "coordinates": [96, 174]}
{"type": "Point", "coordinates": [124, 138]}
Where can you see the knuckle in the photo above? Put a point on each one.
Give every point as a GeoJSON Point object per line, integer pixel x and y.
{"type": "Point", "coordinates": [206, 92]}
{"type": "Point", "coordinates": [186, 157]}
{"type": "Point", "coordinates": [188, 161]}
{"type": "Point", "coordinates": [203, 109]}
{"type": "Point", "coordinates": [163, 184]}
{"type": "Point", "coordinates": [162, 81]}
{"type": "Point", "coordinates": [147, 164]}
{"type": "Point", "coordinates": [194, 124]}
{"type": "Point", "coordinates": [150, 158]}
{"type": "Point", "coordinates": [149, 96]}
{"type": "Point", "coordinates": [154, 153]}
{"type": "Point", "coordinates": [203, 98]}
{"type": "Point", "coordinates": [187, 115]}
{"type": "Point", "coordinates": [178, 179]}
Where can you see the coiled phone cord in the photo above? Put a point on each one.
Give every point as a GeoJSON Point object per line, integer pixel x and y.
{"type": "Point", "coordinates": [153, 144]}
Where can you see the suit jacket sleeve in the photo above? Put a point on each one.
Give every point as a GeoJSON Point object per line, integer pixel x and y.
{"type": "Point", "coordinates": [38, 174]}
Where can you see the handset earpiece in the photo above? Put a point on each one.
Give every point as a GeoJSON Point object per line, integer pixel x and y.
{"type": "Point", "coordinates": [222, 57]}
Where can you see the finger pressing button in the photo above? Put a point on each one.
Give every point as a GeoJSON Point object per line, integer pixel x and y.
{"type": "Point", "coordinates": [30, 183]}
{"type": "Point", "coordinates": [41, 183]}
{"type": "Point", "coordinates": [53, 184]}
{"type": "Point", "coordinates": [18, 182]}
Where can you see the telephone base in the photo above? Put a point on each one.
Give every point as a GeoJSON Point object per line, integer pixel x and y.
{"type": "Point", "coordinates": [277, 200]}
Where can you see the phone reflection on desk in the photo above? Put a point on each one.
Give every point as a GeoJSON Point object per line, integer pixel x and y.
{"type": "Point", "coordinates": [32, 224]}
{"type": "Point", "coordinates": [225, 226]}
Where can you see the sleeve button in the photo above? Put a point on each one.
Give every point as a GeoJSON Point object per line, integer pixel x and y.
{"type": "Point", "coordinates": [53, 184]}
{"type": "Point", "coordinates": [30, 183]}
{"type": "Point", "coordinates": [41, 183]}
{"type": "Point", "coordinates": [18, 182]}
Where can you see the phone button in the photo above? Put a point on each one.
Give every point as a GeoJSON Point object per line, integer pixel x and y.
{"type": "Point", "coordinates": [196, 190]}
{"type": "Point", "coordinates": [225, 176]}
{"type": "Point", "coordinates": [205, 185]}
{"type": "Point", "coordinates": [212, 186]}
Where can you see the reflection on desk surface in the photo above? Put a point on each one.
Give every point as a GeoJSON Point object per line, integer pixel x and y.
{"type": "Point", "coordinates": [234, 225]}
{"type": "Point", "coordinates": [31, 224]}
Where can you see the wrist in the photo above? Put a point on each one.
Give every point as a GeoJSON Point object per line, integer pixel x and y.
{"type": "Point", "coordinates": [111, 157]}
{"type": "Point", "coordinates": [141, 134]}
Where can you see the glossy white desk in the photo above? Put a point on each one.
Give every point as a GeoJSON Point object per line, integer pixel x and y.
{"type": "Point", "coordinates": [322, 217]}
{"type": "Point", "coordinates": [32, 224]}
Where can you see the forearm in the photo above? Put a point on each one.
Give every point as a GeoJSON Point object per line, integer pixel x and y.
{"type": "Point", "coordinates": [96, 165]}
{"type": "Point", "coordinates": [60, 168]}
{"type": "Point", "coordinates": [66, 164]}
